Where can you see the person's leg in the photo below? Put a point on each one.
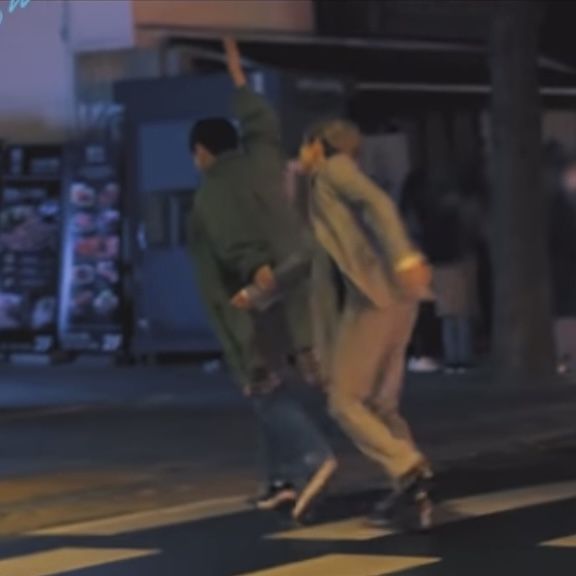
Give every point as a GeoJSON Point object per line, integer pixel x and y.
{"type": "Point", "coordinates": [292, 445]}
{"type": "Point", "coordinates": [417, 346]}
{"type": "Point", "coordinates": [319, 463]}
{"type": "Point", "coordinates": [304, 449]}
{"type": "Point", "coordinates": [357, 362]}
{"type": "Point", "coordinates": [387, 394]}
{"type": "Point", "coordinates": [450, 341]}
{"type": "Point", "coordinates": [421, 350]}
{"type": "Point", "coordinates": [464, 341]}
{"type": "Point", "coordinates": [276, 462]}
{"type": "Point", "coordinates": [297, 448]}
{"type": "Point", "coordinates": [410, 504]}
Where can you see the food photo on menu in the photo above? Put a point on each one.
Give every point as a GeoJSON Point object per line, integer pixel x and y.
{"type": "Point", "coordinates": [43, 313]}
{"type": "Point", "coordinates": [82, 195]}
{"type": "Point", "coordinates": [109, 271]}
{"type": "Point", "coordinates": [97, 247]}
{"type": "Point", "coordinates": [106, 302]}
{"type": "Point", "coordinates": [94, 303]}
{"type": "Point", "coordinates": [95, 228]}
{"type": "Point", "coordinates": [29, 228]}
{"type": "Point", "coordinates": [84, 223]}
{"type": "Point", "coordinates": [84, 274]}
{"type": "Point", "coordinates": [109, 222]}
{"type": "Point", "coordinates": [109, 195]}
{"type": "Point", "coordinates": [12, 311]}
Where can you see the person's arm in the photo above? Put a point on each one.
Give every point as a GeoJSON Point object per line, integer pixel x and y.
{"type": "Point", "coordinates": [257, 118]}
{"type": "Point", "coordinates": [383, 218]}
{"type": "Point", "coordinates": [234, 62]}
{"type": "Point", "coordinates": [286, 275]}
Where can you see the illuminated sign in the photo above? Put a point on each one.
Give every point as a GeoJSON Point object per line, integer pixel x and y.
{"type": "Point", "coordinates": [13, 6]}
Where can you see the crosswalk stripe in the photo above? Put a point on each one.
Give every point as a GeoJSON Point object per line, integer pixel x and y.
{"type": "Point", "coordinates": [497, 502]}
{"type": "Point", "coordinates": [66, 560]}
{"type": "Point", "coordinates": [447, 512]}
{"type": "Point", "coordinates": [354, 529]}
{"type": "Point", "coordinates": [349, 565]}
{"type": "Point", "coordinates": [152, 519]}
{"type": "Point", "coordinates": [568, 542]}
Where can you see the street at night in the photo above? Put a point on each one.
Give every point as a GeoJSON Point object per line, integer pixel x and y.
{"type": "Point", "coordinates": [526, 528]}
{"type": "Point", "coordinates": [123, 483]}
{"type": "Point", "coordinates": [287, 288]}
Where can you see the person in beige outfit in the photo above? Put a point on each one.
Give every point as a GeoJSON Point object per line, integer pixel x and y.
{"type": "Point", "coordinates": [367, 280]}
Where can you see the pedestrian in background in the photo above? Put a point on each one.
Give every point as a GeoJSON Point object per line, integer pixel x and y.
{"type": "Point", "coordinates": [452, 237]}
{"type": "Point", "coordinates": [562, 231]}
{"type": "Point", "coordinates": [425, 347]}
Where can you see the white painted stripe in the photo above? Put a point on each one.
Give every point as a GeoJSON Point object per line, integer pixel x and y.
{"type": "Point", "coordinates": [497, 502]}
{"type": "Point", "coordinates": [158, 518]}
{"type": "Point", "coordinates": [568, 542]}
{"type": "Point", "coordinates": [451, 511]}
{"type": "Point", "coordinates": [349, 565]}
{"type": "Point", "coordinates": [447, 512]}
{"type": "Point", "coordinates": [354, 529]}
{"type": "Point", "coordinates": [66, 560]}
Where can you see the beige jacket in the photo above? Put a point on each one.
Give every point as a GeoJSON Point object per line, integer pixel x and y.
{"type": "Point", "coordinates": [360, 230]}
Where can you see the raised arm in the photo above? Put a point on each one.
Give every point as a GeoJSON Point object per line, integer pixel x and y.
{"type": "Point", "coordinates": [257, 118]}
{"type": "Point", "coordinates": [234, 62]}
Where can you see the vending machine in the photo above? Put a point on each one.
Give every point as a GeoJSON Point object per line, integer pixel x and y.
{"type": "Point", "coordinates": [30, 236]}
{"type": "Point", "coordinates": [91, 311]}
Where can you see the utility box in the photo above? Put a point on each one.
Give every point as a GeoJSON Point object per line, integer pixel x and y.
{"type": "Point", "coordinates": [168, 314]}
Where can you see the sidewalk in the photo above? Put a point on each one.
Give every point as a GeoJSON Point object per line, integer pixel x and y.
{"type": "Point", "coordinates": [85, 442]}
{"type": "Point", "coordinates": [34, 387]}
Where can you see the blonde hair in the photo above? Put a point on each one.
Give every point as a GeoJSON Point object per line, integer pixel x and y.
{"type": "Point", "coordinates": [337, 135]}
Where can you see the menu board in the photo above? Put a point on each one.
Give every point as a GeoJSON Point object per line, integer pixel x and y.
{"type": "Point", "coordinates": [29, 247]}
{"type": "Point", "coordinates": [91, 294]}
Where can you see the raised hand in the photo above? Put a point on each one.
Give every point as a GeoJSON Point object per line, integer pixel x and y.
{"type": "Point", "coordinates": [234, 61]}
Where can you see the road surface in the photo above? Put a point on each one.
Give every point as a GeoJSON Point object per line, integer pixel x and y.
{"type": "Point", "coordinates": [497, 518]}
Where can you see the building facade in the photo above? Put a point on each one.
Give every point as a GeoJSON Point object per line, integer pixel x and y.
{"type": "Point", "coordinates": [59, 58]}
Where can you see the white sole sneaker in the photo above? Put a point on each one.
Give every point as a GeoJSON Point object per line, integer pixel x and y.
{"type": "Point", "coordinates": [316, 484]}
{"type": "Point", "coordinates": [277, 501]}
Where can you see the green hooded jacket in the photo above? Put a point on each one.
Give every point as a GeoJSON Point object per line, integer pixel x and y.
{"type": "Point", "coordinates": [241, 220]}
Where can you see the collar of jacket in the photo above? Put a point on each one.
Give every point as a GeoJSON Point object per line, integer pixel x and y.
{"type": "Point", "coordinates": [222, 161]}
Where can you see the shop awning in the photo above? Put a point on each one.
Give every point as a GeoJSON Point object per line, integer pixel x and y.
{"type": "Point", "coordinates": [370, 63]}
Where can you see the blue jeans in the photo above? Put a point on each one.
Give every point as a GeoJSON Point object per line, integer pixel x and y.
{"type": "Point", "coordinates": [294, 446]}
{"type": "Point", "coordinates": [457, 340]}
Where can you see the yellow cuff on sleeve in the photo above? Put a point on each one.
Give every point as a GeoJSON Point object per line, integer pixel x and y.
{"type": "Point", "coordinates": [409, 262]}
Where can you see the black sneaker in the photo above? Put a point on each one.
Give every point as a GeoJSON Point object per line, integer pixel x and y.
{"type": "Point", "coordinates": [279, 494]}
{"type": "Point", "coordinates": [409, 508]}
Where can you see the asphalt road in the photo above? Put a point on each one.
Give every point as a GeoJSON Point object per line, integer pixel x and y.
{"type": "Point", "coordinates": [82, 460]}
{"type": "Point", "coordinates": [498, 517]}
{"type": "Point", "coordinates": [170, 448]}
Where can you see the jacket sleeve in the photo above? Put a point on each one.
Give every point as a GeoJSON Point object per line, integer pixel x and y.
{"type": "Point", "coordinates": [377, 207]}
{"type": "Point", "coordinates": [258, 120]}
{"type": "Point", "coordinates": [239, 246]}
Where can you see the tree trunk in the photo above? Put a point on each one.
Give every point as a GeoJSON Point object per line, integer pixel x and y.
{"type": "Point", "coordinates": [523, 343]}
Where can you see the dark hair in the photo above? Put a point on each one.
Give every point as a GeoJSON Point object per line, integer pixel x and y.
{"type": "Point", "coordinates": [217, 135]}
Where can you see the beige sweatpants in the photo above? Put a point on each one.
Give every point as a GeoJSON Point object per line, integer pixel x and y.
{"type": "Point", "coordinates": [366, 381]}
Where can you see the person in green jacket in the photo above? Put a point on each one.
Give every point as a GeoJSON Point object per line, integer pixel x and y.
{"type": "Point", "coordinates": [240, 228]}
